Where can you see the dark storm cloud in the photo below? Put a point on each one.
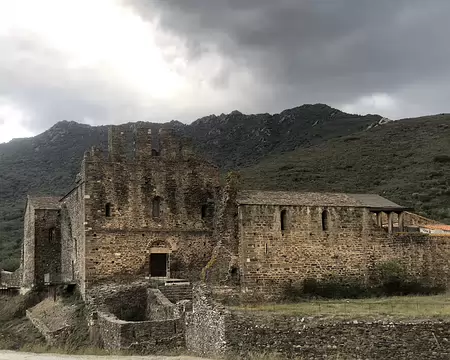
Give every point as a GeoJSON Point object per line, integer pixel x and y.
{"type": "Point", "coordinates": [322, 50]}
{"type": "Point", "coordinates": [384, 56]}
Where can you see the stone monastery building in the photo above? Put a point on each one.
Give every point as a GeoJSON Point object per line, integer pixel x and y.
{"type": "Point", "coordinates": [159, 211]}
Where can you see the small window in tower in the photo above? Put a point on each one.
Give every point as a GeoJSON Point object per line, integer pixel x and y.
{"type": "Point", "coordinates": [156, 205]}
{"type": "Point", "coordinates": [204, 211]}
{"type": "Point", "coordinates": [51, 234]}
{"type": "Point", "coordinates": [325, 224]}
{"type": "Point", "coordinates": [283, 220]}
{"type": "Point", "coordinates": [108, 210]}
{"type": "Point", "coordinates": [155, 152]}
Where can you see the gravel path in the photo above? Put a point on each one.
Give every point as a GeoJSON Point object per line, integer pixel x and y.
{"type": "Point", "coordinates": [10, 355]}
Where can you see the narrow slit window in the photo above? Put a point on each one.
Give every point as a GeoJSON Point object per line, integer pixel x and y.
{"type": "Point", "coordinates": [156, 207]}
{"type": "Point", "coordinates": [283, 220]}
{"type": "Point", "coordinates": [325, 224]}
{"type": "Point", "coordinates": [51, 234]}
{"type": "Point", "coordinates": [108, 210]}
{"type": "Point", "coordinates": [204, 211]}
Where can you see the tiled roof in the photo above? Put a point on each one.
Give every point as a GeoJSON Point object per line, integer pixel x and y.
{"type": "Point", "coordinates": [255, 197]}
{"type": "Point", "coordinates": [436, 227]}
{"type": "Point", "coordinates": [44, 202]}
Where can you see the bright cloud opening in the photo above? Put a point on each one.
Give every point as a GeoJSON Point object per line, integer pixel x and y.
{"type": "Point", "coordinates": [11, 118]}
{"type": "Point", "coordinates": [373, 104]}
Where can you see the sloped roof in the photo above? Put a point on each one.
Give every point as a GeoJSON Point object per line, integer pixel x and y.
{"type": "Point", "coordinates": [44, 202]}
{"type": "Point", "coordinates": [436, 227]}
{"type": "Point", "coordinates": [373, 201]}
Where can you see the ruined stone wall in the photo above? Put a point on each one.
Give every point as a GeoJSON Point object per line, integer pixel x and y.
{"type": "Point", "coordinates": [28, 247]}
{"type": "Point", "coordinates": [159, 324]}
{"type": "Point", "coordinates": [73, 237]}
{"type": "Point", "coordinates": [311, 339]}
{"type": "Point", "coordinates": [109, 328]}
{"type": "Point", "coordinates": [159, 308]}
{"type": "Point", "coordinates": [215, 331]}
{"type": "Point", "coordinates": [223, 265]}
{"type": "Point", "coordinates": [177, 292]}
{"type": "Point", "coordinates": [10, 279]}
{"type": "Point", "coordinates": [54, 337]}
{"type": "Point", "coordinates": [205, 326]}
{"type": "Point", "coordinates": [120, 244]}
{"type": "Point", "coordinates": [47, 245]}
{"type": "Point", "coordinates": [271, 258]}
{"type": "Point", "coordinates": [128, 304]}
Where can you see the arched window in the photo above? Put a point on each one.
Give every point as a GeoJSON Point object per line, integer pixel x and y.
{"type": "Point", "coordinates": [204, 211]}
{"type": "Point", "coordinates": [156, 205]}
{"type": "Point", "coordinates": [325, 220]}
{"type": "Point", "coordinates": [108, 210]}
{"type": "Point", "coordinates": [155, 152]}
{"type": "Point", "coordinates": [283, 220]}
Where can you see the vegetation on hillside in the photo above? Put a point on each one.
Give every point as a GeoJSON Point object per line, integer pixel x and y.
{"type": "Point", "coordinates": [236, 140]}
{"type": "Point", "coordinates": [407, 161]}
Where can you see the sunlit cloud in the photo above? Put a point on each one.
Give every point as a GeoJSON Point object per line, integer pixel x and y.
{"type": "Point", "coordinates": [11, 118]}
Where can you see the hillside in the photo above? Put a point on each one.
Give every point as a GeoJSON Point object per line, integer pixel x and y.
{"type": "Point", "coordinates": [237, 140]}
{"type": "Point", "coordinates": [407, 161]}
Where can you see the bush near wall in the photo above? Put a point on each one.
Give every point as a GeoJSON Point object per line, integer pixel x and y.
{"type": "Point", "coordinates": [385, 279]}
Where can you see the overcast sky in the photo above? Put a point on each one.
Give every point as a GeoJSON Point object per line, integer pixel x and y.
{"type": "Point", "coordinates": [114, 61]}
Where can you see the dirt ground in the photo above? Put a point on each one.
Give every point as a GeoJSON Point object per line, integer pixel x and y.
{"type": "Point", "coordinates": [10, 355]}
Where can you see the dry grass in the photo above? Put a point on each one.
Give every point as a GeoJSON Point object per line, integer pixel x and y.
{"type": "Point", "coordinates": [275, 356]}
{"type": "Point", "coordinates": [408, 307]}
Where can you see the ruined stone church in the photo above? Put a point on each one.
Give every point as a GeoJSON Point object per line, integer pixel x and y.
{"type": "Point", "coordinates": [151, 208]}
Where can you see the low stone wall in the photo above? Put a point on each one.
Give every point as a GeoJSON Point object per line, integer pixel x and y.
{"type": "Point", "coordinates": [141, 336]}
{"type": "Point", "coordinates": [177, 292]}
{"type": "Point", "coordinates": [137, 317]}
{"type": "Point", "coordinates": [158, 306]}
{"type": "Point", "coordinates": [205, 325]}
{"type": "Point", "coordinates": [213, 330]}
{"type": "Point", "coordinates": [294, 336]}
{"type": "Point", "coordinates": [10, 279]}
{"type": "Point", "coordinates": [53, 337]}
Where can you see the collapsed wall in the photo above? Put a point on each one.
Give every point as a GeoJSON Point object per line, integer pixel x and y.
{"type": "Point", "coordinates": [137, 317]}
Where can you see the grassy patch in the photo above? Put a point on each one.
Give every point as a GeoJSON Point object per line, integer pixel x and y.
{"type": "Point", "coordinates": [408, 307]}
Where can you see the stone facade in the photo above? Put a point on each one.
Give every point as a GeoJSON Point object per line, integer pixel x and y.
{"type": "Point", "coordinates": [154, 203]}
{"type": "Point", "coordinates": [145, 209]}
{"type": "Point", "coordinates": [73, 237]}
{"type": "Point", "coordinates": [41, 253]}
{"type": "Point", "coordinates": [271, 257]}
{"type": "Point", "coordinates": [150, 208]}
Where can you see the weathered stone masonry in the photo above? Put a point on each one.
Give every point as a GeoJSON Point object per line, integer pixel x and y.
{"type": "Point", "coordinates": [213, 330]}
{"type": "Point", "coordinates": [150, 210]}
{"type": "Point", "coordinates": [271, 258]}
{"type": "Point", "coordinates": [120, 243]}
{"type": "Point", "coordinates": [41, 252]}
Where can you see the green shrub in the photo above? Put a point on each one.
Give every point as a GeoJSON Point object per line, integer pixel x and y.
{"type": "Point", "coordinates": [386, 279]}
{"type": "Point", "coordinates": [391, 279]}
{"type": "Point", "coordinates": [11, 264]}
{"type": "Point", "coordinates": [333, 287]}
